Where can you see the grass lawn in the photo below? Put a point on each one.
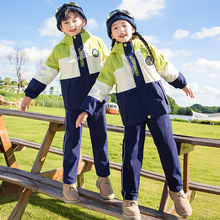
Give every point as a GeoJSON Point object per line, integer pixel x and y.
{"type": "Point", "coordinates": [204, 168]}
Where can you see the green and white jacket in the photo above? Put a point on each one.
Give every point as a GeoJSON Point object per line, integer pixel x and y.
{"type": "Point", "coordinates": [79, 60]}
{"type": "Point", "coordinates": [135, 106]}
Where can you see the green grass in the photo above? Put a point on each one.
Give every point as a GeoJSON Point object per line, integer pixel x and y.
{"type": "Point", "coordinates": [204, 168]}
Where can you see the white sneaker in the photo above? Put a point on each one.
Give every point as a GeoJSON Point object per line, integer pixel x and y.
{"type": "Point", "coordinates": [130, 210]}
{"type": "Point", "coordinates": [181, 203]}
{"type": "Point", "coordinates": [70, 193]}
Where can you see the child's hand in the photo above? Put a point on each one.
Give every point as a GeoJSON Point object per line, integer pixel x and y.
{"type": "Point", "coordinates": [188, 91]}
{"type": "Point", "coordinates": [81, 118]}
{"type": "Point", "coordinates": [25, 103]}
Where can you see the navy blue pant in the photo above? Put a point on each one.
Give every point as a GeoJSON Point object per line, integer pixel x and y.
{"type": "Point", "coordinates": [72, 141]}
{"type": "Point", "coordinates": [132, 155]}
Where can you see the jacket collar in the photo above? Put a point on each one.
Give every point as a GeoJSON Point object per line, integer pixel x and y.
{"type": "Point", "coordinates": [118, 47]}
{"type": "Point", "coordinates": [69, 39]}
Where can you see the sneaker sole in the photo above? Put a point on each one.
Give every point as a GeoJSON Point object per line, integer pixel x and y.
{"type": "Point", "coordinates": [131, 217]}
{"type": "Point", "coordinates": [185, 215]}
{"type": "Point", "coordinates": [70, 201]}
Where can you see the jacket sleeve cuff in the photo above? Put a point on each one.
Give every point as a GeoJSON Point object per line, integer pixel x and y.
{"type": "Point", "coordinates": [90, 105]}
{"type": "Point", "coordinates": [34, 88]}
{"type": "Point", "coordinates": [179, 82]}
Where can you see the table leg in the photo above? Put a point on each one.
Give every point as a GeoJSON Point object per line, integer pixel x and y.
{"type": "Point", "coordinates": [18, 211]}
{"type": "Point", "coordinates": [186, 172]}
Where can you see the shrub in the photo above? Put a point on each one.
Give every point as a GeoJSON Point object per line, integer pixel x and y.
{"type": "Point", "coordinates": [179, 119]}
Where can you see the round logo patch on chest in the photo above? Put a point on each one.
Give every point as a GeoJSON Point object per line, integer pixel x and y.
{"type": "Point", "coordinates": [95, 53]}
{"type": "Point", "coordinates": [149, 61]}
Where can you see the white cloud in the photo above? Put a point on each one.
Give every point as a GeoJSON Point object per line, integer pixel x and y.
{"type": "Point", "coordinates": [5, 50]}
{"type": "Point", "coordinates": [206, 96]}
{"type": "Point", "coordinates": [181, 34]}
{"type": "Point", "coordinates": [25, 42]}
{"type": "Point", "coordinates": [92, 24]}
{"type": "Point", "coordinates": [168, 53]}
{"type": "Point", "coordinates": [214, 76]}
{"type": "Point", "coordinates": [211, 90]}
{"type": "Point", "coordinates": [35, 54]}
{"type": "Point", "coordinates": [151, 39]}
{"type": "Point", "coordinates": [7, 42]}
{"type": "Point", "coordinates": [49, 2]}
{"type": "Point", "coordinates": [179, 95]}
{"type": "Point", "coordinates": [207, 32]}
{"type": "Point", "coordinates": [203, 65]}
{"type": "Point", "coordinates": [143, 9]}
{"type": "Point", "coordinates": [50, 28]}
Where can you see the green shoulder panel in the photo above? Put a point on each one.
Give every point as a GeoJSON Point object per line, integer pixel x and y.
{"type": "Point", "coordinates": [160, 60]}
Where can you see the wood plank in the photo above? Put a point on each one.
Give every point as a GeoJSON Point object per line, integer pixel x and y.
{"type": "Point", "coordinates": [8, 189]}
{"type": "Point", "coordinates": [88, 199]}
{"type": "Point", "coordinates": [44, 148]}
{"type": "Point", "coordinates": [33, 115]}
{"type": "Point", "coordinates": [185, 148]}
{"type": "Point", "coordinates": [20, 207]}
{"type": "Point", "coordinates": [164, 198]}
{"type": "Point", "coordinates": [186, 172]}
{"type": "Point", "coordinates": [56, 174]}
{"type": "Point", "coordinates": [116, 166]}
{"type": "Point", "coordinates": [6, 145]}
{"type": "Point", "coordinates": [209, 142]}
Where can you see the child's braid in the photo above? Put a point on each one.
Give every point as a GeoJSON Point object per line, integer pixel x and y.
{"type": "Point", "coordinates": [146, 44]}
{"type": "Point", "coordinates": [113, 42]}
{"type": "Point", "coordinates": [143, 40]}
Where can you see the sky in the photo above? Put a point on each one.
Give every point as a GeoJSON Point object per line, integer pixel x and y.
{"type": "Point", "coordinates": [186, 31]}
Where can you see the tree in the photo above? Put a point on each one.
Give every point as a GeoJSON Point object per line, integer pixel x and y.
{"type": "Point", "coordinates": [173, 106]}
{"type": "Point", "coordinates": [113, 97]}
{"type": "Point", "coordinates": [188, 111]}
{"type": "Point", "coordinates": [23, 83]}
{"type": "Point", "coordinates": [14, 84]}
{"type": "Point", "coordinates": [7, 84]}
{"type": "Point", "coordinates": [1, 82]}
{"type": "Point", "coordinates": [17, 60]}
{"type": "Point", "coordinates": [181, 111]}
{"type": "Point", "coordinates": [8, 81]}
{"type": "Point", "coordinates": [51, 90]}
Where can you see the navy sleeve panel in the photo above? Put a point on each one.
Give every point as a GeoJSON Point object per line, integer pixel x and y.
{"type": "Point", "coordinates": [34, 88]}
{"type": "Point", "coordinates": [90, 105]}
{"type": "Point", "coordinates": [180, 82]}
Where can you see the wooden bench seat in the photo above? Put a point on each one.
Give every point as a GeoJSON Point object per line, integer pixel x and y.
{"type": "Point", "coordinates": [18, 143]}
{"type": "Point", "coordinates": [88, 199]}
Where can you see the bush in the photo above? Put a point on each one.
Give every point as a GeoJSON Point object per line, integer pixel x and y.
{"type": "Point", "coordinates": [179, 119]}
{"type": "Point", "coordinates": [207, 122]}
{"type": "Point", "coordinates": [42, 100]}
{"type": "Point", "coordinates": [11, 96]}
{"type": "Point", "coordinates": [50, 103]}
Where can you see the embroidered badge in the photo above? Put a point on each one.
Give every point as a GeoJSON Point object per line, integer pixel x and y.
{"type": "Point", "coordinates": [149, 61]}
{"type": "Point", "coordinates": [95, 53]}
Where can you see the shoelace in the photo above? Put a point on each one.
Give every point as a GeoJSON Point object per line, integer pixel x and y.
{"type": "Point", "coordinates": [72, 187]}
{"type": "Point", "coordinates": [107, 181]}
{"type": "Point", "coordinates": [132, 203]}
{"type": "Point", "coordinates": [181, 194]}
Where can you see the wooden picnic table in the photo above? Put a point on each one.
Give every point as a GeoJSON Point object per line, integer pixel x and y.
{"type": "Point", "coordinates": [185, 145]}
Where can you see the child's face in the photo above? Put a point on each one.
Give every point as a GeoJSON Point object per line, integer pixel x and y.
{"type": "Point", "coordinates": [122, 31]}
{"type": "Point", "coordinates": [73, 25]}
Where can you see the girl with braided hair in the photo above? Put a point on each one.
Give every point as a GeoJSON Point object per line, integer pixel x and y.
{"type": "Point", "coordinates": [136, 67]}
